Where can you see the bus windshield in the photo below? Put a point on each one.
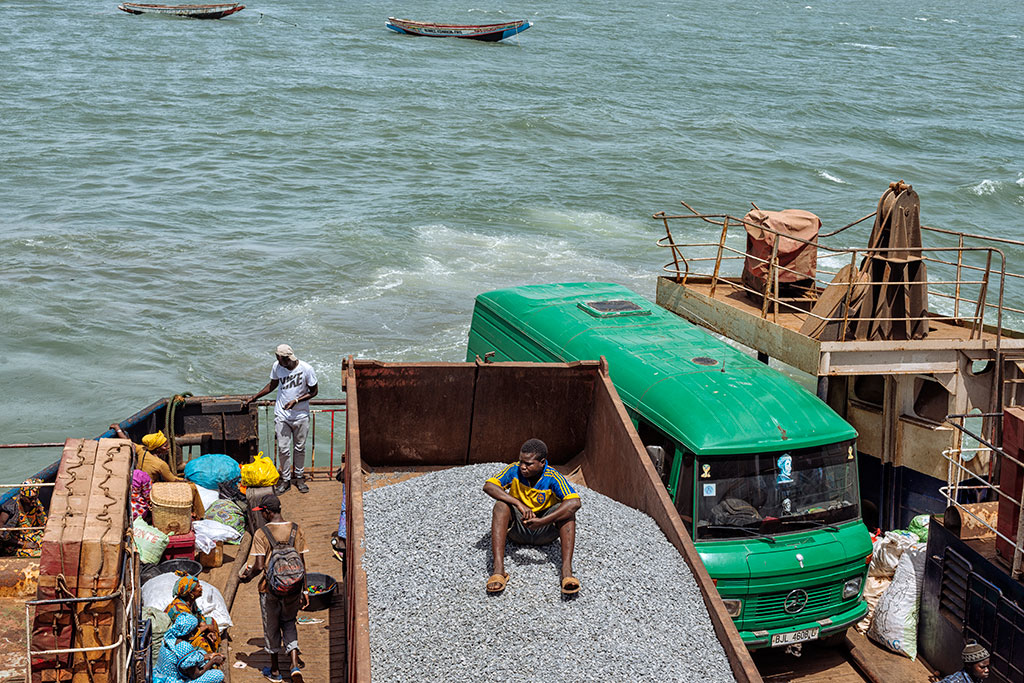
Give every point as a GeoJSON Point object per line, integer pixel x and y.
{"type": "Point", "coordinates": [778, 492]}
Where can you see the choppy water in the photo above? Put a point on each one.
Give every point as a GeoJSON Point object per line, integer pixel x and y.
{"type": "Point", "coordinates": [177, 196]}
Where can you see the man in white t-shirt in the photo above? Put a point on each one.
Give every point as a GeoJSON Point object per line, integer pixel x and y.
{"type": "Point", "coordinates": [295, 381]}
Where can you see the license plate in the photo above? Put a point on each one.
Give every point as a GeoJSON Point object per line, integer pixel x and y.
{"type": "Point", "coordinates": [794, 637]}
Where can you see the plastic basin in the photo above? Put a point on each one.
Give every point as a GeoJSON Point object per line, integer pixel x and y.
{"type": "Point", "coordinates": [323, 600]}
{"type": "Point", "coordinates": [169, 567]}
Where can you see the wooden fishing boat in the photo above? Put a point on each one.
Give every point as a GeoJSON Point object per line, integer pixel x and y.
{"type": "Point", "coordinates": [216, 11]}
{"type": "Point", "coordinates": [486, 32]}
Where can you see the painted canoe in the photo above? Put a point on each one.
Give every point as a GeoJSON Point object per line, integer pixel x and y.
{"type": "Point", "coordinates": [194, 11]}
{"type": "Point", "coordinates": [487, 32]}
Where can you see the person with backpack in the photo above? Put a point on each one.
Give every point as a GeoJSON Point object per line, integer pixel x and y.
{"type": "Point", "coordinates": [278, 550]}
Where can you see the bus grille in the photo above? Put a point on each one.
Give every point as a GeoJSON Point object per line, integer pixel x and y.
{"type": "Point", "coordinates": [769, 607]}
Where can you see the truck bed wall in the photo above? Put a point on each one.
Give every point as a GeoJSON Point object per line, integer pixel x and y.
{"type": "Point", "coordinates": [428, 415]}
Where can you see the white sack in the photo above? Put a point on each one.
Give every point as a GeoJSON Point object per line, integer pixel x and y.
{"type": "Point", "coordinates": [209, 531]}
{"type": "Point", "coordinates": [873, 589]}
{"type": "Point", "coordinates": [895, 620]}
{"type": "Point", "coordinates": [159, 591]}
{"type": "Point", "coordinates": [886, 552]}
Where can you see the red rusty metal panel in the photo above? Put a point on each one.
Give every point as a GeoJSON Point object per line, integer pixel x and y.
{"type": "Point", "coordinates": [1011, 480]}
{"type": "Point", "coordinates": [356, 591]}
{"type": "Point", "coordinates": [223, 405]}
{"type": "Point", "coordinates": [515, 402]}
{"type": "Point", "coordinates": [414, 413]}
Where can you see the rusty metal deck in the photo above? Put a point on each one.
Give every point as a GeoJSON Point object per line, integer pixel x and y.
{"type": "Point", "coordinates": [731, 313]}
{"type": "Point", "coordinates": [19, 577]}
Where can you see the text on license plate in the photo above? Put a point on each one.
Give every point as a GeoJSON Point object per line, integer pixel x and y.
{"type": "Point", "coordinates": [794, 637]}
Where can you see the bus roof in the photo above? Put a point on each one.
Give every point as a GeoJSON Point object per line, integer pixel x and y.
{"type": "Point", "coordinates": [711, 397]}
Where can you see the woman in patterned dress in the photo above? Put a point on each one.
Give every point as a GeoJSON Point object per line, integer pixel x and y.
{"type": "Point", "coordinates": [142, 490]}
{"type": "Point", "coordinates": [31, 514]}
{"type": "Point", "coordinates": [180, 661]}
{"type": "Point", "coordinates": [186, 592]}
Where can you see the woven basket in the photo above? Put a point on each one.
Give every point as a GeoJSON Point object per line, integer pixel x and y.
{"type": "Point", "coordinates": [172, 506]}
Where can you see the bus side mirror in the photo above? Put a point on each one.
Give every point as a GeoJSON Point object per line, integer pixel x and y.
{"type": "Point", "coordinates": [657, 454]}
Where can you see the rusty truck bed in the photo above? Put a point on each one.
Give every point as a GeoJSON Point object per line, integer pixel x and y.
{"type": "Point", "coordinates": [407, 418]}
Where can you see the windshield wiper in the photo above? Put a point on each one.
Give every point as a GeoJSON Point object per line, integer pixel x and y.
{"type": "Point", "coordinates": [727, 527]}
{"type": "Point", "coordinates": [813, 522]}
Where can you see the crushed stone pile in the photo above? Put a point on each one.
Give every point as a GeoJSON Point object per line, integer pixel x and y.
{"type": "Point", "coordinates": [639, 616]}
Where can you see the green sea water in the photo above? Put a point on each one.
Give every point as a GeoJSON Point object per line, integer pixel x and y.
{"type": "Point", "coordinates": [177, 197]}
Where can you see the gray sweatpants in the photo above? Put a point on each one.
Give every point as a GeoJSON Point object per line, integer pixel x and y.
{"type": "Point", "coordinates": [522, 534]}
{"type": "Point", "coordinates": [279, 616]}
{"type": "Point", "coordinates": [291, 434]}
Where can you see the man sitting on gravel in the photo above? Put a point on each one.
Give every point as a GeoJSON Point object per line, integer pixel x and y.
{"type": "Point", "coordinates": [535, 505]}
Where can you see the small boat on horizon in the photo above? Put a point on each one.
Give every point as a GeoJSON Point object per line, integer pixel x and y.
{"type": "Point", "coordinates": [215, 11]}
{"type": "Point", "coordinates": [487, 32]}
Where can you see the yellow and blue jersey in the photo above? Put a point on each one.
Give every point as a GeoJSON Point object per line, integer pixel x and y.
{"type": "Point", "coordinates": [550, 489]}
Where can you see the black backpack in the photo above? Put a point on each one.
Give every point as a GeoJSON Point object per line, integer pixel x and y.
{"type": "Point", "coordinates": [285, 571]}
{"type": "Point", "coordinates": [735, 512]}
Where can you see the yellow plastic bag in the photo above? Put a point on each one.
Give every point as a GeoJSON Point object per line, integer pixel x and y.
{"type": "Point", "coordinates": [260, 472]}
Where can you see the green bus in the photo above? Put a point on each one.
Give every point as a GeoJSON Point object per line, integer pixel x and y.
{"type": "Point", "coordinates": [762, 472]}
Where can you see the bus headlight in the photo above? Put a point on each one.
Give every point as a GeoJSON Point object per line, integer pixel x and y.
{"type": "Point", "coordinates": [733, 607]}
{"type": "Point", "coordinates": [851, 588]}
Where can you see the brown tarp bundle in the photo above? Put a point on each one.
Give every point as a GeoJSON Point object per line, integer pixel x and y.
{"type": "Point", "coordinates": [796, 258]}
{"type": "Point", "coordinates": [886, 308]}
{"type": "Point", "coordinates": [900, 290]}
{"type": "Point", "coordinates": [840, 300]}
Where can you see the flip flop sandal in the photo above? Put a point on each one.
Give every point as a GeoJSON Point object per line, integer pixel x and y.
{"type": "Point", "coordinates": [500, 579]}
{"type": "Point", "coordinates": [270, 676]}
{"type": "Point", "coordinates": [297, 675]}
{"type": "Point", "coordinates": [571, 585]}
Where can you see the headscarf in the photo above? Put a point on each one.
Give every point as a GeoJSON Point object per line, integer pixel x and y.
{"type": "Point", "coordinates": [142, 488]}
{"type": "Point", "coordinates": [182, 629]}
{"type": "Point", "coordinates": [30, 488]}
{"type": "Point", "coordinates": [182, 601]}
{"type": "Point", "coordinates": [974, 653]}
{"type": "Point", "coordinates": [186, 584]}
{"type": "Point", "coordinates": [154, 441]}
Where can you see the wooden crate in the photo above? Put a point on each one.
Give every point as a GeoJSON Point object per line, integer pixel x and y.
{"type": "Point", "coordinates": [60, 552]}
{"type": "Point", "coordinates": [101, 555]}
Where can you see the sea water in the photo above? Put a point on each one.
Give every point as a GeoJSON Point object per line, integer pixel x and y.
{"type": "Point", "coordinates": [177, 197]}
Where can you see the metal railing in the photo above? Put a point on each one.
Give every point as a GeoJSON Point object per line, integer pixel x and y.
{"type": "Point", "coordinates": [974, 271]}
{"type": "Point", "coordinates": [267, 435]}
{"type": "Point", "coordinates": [319, 409]}
{"type": "Point", "coordinates": [957, 473]}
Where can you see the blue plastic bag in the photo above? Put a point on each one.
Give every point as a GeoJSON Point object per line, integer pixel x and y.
{"type": "Point", "coordinates": [212, 469]}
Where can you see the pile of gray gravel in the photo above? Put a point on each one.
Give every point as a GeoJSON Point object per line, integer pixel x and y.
{"type": "Point", "coordinates": [639, 616]}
